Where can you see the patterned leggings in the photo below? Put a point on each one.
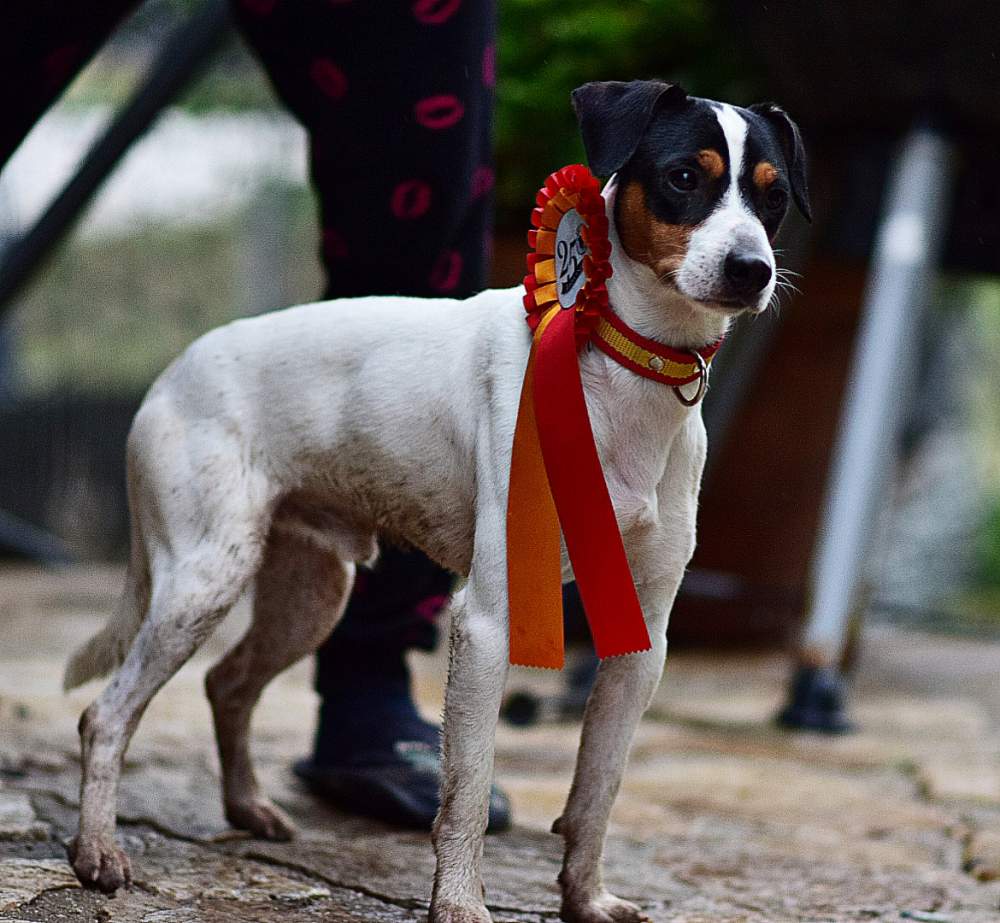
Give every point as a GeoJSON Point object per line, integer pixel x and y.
{"type": "Point", "coordinates": [397, 98]}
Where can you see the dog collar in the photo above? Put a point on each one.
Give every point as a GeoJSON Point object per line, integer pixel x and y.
{"type": "Point", "coordinates": [653, 360]}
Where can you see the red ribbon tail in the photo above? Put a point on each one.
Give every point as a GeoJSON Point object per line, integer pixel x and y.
{"type": "Point", "coordinates": [581, 497]}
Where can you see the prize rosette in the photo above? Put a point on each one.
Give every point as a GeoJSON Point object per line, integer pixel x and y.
{"type": "Point", "coordinates": [557, 487]}
{"type": "Point", "coordinates": [569, 262]}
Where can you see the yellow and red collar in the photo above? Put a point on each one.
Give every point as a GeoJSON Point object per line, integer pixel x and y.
{"type": "Point", "coordinates": [647, 357]}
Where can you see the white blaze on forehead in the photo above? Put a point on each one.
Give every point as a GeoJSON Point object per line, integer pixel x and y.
{"type": "Point", "coordinates": [732, 226]}
{"type": "Point", "coordinates": [734, 127]}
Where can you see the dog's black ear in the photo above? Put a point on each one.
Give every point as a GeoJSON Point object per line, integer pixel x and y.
{"type": "Point", "coordinates": [795, 152]}
{"type": "Point", "coordinates": [613, 117]}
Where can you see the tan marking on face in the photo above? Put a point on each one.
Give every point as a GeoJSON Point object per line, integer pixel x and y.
{"type": "Point", "coordinates": [764, 174]}
{"type": "Point", "coordinates": [662, 247]}
{"type": "Point", "coordinates": [711, 162]}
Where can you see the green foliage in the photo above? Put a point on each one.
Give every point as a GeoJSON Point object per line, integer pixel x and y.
{"type": "Point", "coordinates": [982, 300]}
{"type": "Point", "coordinates": [236, 88]}
{"type": "Point", "coordinates": [548, 47]}
{"type": "Point", "coordinates": [989, 547]}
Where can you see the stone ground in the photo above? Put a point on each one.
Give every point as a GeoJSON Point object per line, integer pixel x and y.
{"type": "Point", "coordinates": [722, 817]}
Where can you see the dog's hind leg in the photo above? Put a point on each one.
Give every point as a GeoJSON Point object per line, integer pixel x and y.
{"type": "Point", "coordinates": [301, 593]}
{"type": "Point", "coordinates": [623, 689]}
{"type": "Point", "coordinates": [203, 513]}
{"type": "Point", "coordinates": [188, 599]}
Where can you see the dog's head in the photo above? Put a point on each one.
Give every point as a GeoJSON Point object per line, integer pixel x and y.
{"type": "Point", "coordinates": [702, 187]}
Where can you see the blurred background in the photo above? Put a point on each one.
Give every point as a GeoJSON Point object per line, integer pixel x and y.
{"type": "Point", "coordinates": [209, 216]}
{"type": "Point", "coordinates": [850, 512]}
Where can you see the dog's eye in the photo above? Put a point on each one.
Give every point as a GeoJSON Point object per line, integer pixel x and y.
{"type": "Point", "coordinates": [776, 198]}
{"type": "Point", "coordinates": [683, 179]}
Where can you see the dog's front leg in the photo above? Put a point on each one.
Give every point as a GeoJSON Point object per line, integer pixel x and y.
{"type": "Point", "coordinates": [621, 693]}
{"type": "Point", "coordinates": [476, 676]}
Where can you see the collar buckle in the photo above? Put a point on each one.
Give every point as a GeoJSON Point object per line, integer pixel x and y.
{"type": "Point", "coordinates": [703, 372]}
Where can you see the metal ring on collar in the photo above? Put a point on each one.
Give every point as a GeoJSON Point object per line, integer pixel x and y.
{"type": "Point", "coordinates": [702, 382]}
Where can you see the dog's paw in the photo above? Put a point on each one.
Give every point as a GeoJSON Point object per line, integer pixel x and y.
{"type": "Point", "coordinates": [605, 908]}
{"type": "Point", "coordinates": [100, 864]}
{"type": "Point", "coordinates": [455, 913]}
{"type": "Point", "coordinates": [261, 818]}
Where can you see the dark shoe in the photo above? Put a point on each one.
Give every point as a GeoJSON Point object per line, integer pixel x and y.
{"type": "Point", "coordinates": [816, 702]}
{"type": "Point", "coordinates": [400, 787]}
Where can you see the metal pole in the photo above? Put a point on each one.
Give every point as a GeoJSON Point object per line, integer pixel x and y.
{"type": "Point", "coordinates": [183, 55]}
{"type": "Point", "coordinates": [879, 387]}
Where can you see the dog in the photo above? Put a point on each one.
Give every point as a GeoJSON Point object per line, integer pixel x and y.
{"type": "Point", "coordinates": [276, 448]}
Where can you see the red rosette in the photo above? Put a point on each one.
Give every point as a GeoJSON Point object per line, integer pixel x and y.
{"type": "Point", "coordinates": [573, 188]}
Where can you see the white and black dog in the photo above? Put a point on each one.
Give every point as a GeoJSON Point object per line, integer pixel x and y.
{"type": "Point", "coordinates": [275, 449]}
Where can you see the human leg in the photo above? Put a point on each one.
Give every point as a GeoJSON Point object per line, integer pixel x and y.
{"type": "Point", "coordinates": [398, 106]}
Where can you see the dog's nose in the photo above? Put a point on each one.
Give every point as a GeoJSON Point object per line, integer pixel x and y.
{"type": "Point", "coordinates": [746, 274]}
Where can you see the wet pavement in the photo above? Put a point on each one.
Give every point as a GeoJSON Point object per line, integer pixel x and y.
{"type": "Point", "coordinates": [722, 817]}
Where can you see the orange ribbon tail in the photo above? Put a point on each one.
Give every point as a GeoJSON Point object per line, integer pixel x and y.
{"type": "Point", "coordinates": [534, 579]}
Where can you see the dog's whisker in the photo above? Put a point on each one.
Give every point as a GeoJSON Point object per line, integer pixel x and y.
{"type": "Point", "coordinates": [785, 284]}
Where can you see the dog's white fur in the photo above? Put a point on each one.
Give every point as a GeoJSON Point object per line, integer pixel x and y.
{"type": "Point", "coordinates": [276, 447]}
